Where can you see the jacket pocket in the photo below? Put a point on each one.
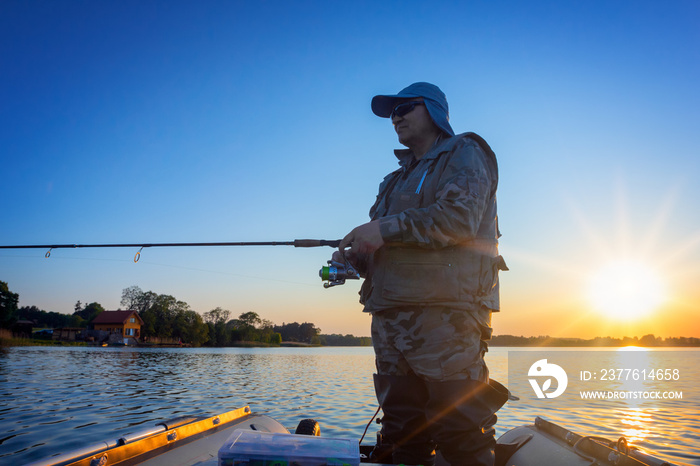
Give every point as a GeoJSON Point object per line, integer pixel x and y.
{"type": "Point", "coordinates": [488, 274]}
{"type": "Point", "coordinates": [403, 200]}
{"type": "Point", "coordinates": [421, 281]}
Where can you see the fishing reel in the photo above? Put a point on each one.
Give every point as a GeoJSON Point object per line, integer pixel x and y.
{"type": "Point", "coordinates": [335, 273]}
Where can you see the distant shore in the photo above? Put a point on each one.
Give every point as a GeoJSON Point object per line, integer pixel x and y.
{"type": "Point", "coordinates": [252, 344]}
{"type": "Point", "coordinates": [647, 341]}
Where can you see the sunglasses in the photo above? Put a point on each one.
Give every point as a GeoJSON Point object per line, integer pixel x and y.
{"type": "Point", "coordinates": [404, 108]}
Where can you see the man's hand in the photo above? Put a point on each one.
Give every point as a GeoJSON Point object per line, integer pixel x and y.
{"type": "Point", "coordinates": [363, 241]}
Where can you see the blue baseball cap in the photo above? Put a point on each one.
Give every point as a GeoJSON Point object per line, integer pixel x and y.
{"type": "Point", "coordinates": [434, 98]}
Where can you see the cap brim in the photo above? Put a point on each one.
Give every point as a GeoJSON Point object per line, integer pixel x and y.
{"type": "Point", "coordinates": [383, 105]}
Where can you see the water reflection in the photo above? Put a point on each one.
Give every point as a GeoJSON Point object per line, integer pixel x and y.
{"type": "Point", "coordinates": [62, 398]}
{"type": "Point", "coordinates": [629, 369]}
{"type": "Point", "coordinates": [637, 424]}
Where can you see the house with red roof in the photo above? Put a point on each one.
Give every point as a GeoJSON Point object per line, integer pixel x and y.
{"type": "Point", "coordinates": [127, 323]}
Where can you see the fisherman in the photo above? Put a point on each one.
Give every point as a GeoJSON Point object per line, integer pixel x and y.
{"type": "Point", "coordinates": [430, 261]}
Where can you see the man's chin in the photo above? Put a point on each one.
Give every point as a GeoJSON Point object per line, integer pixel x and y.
{"type": "Point", "coordinates": [404, 141]}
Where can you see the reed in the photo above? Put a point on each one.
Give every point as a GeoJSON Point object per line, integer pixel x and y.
{"type": "Point", "coordinates": [7, 339]}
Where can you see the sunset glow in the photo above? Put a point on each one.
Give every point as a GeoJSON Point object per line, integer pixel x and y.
{"type": "Point", "coordinates": [624, 290]}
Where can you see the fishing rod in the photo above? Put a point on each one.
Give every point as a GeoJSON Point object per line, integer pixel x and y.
{"type": "Point", "coordinates": [335, 273]}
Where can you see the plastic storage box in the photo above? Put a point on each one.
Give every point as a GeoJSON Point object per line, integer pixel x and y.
{"type": "Point", "coordinates": [253, 448]}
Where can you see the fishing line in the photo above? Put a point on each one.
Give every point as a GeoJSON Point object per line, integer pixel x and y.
{"type": "Point", "coordinates": [219, 272]}
{"type": "Point", "coordinates": [171, 266]}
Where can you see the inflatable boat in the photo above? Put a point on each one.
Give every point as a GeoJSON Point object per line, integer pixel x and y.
{"type": "Point", "coordinates": [240, 438]}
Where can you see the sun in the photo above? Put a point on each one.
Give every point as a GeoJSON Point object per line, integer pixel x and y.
{"type": "Point", "coordinates": [626, 290]}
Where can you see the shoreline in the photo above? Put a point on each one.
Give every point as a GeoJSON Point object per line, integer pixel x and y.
{"type": "Point", "coordinates": [20, 342]}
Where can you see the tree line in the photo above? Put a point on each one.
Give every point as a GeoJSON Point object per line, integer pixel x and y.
{"type": "Point", "coordinates": [649, 341]}
{"type": "Point", "coordinates": [167, 319]}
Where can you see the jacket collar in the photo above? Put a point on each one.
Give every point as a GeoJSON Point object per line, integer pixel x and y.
{"type": "Point", "coordinates": [406, 157]}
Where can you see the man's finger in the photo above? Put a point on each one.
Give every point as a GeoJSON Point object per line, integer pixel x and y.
{"type": "Point", "coordinates": [347, 241]}
{"type": "Point", "coordinates": [338, 256]}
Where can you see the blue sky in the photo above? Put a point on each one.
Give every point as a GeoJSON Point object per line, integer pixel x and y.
{"type": "Point", "coordinates": [238, 121]}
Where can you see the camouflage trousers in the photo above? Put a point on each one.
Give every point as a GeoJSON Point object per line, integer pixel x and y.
{"type": "Point", "coordinates": [437, 344]}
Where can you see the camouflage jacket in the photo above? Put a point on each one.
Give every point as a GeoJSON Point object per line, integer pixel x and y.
{"type": "Point", "coordinates": [439, 222]}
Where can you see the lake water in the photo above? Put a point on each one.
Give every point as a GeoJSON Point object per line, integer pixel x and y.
{"type": "Point", "coordinates": [55, 399]}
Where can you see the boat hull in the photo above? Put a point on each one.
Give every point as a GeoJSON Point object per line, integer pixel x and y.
{"type": "Point", "coordinates": [180, 442]}
{"type": "Point", "coordinates": [191, 441]}
{"type": "Point", "coordinates": [550, 444]}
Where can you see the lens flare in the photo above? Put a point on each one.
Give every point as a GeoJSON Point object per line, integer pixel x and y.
{"type": "Point", "coordinates": [626, 290]}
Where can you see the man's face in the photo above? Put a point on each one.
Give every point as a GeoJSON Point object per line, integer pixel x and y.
{"type": "Point", "coordinates": [414, 126]}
